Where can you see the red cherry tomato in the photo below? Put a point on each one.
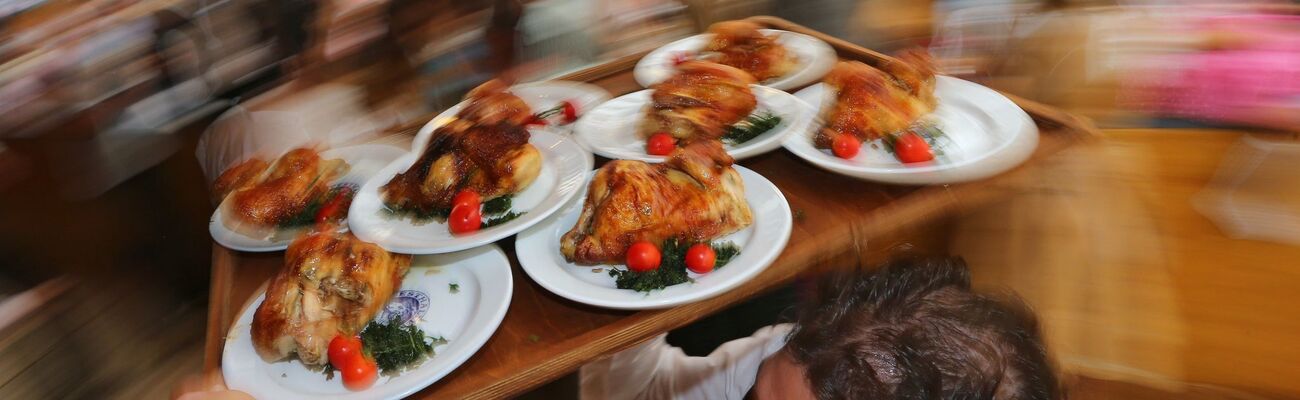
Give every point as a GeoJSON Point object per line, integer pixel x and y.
{"type": "Point", "coordinates": [465, 219]}
{"type": "Point", "coordinates": [342, 349]}
{"type": "Point", "coordinates": [700, 258]}
{"type": "Point", "coordinates": [336, 207]}
{"type": "Point", "coordinates": [534, 121]}
{"type": "Point", "coordinates": [359, 373]}
{"type": "Point", "coordinates": [469, 198]}
{"type": "Point", "coordinates": [643, 257]}
{"type": "Point", "coordinates": [911, 148]}
{"type": "Point", "coordinates": [570, 111]}
{"type": "Point", "coordinates": [660, 144]}
{"type": "Point", "coordinates": [846, 146]}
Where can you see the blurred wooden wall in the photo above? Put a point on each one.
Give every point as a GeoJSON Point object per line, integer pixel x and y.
{"type": "Point", "coordinates": [1131, 283]}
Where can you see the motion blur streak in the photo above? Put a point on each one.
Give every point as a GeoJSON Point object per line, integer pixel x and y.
{"type": "Point", "coordinates": [1161, 259]}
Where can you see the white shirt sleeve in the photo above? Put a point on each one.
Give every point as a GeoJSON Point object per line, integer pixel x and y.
{"type": "Point", "coordinates": [655, 370]}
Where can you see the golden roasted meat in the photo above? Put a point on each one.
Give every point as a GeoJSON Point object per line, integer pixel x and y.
{"type": "Point", "coordinates": [485, 149]}
{"type": "Point", "coordinates": [238, 177]}
{"type": "Point", "coordinates": [739, 44]}
{"type": "Point", "coordinates": [293, 182]}
{"type": "Point", "coordinates": [331, 284]}
{"type": "Point", "coordinates": [695, 196]}
{"type": "Point", "coordinates": [870, 103]}
{"type": "Point", "coordinates": [699, 102]}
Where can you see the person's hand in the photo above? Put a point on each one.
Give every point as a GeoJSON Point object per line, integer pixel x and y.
{"type": "Point", "coordinates": [208, 387]}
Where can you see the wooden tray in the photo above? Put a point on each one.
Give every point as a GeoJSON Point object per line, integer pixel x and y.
{"type": "Point", "coordinates": [838, 221]}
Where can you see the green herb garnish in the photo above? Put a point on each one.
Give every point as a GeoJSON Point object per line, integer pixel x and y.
{"type": "Point", "coordinates": [672, 267]}
{"type": "Point", "coordinates": [418, 214]}
{"type": "Point", "coordinates": [307, 215]}
{"type": "Point", "coordinates": [396, 347]}
{"type": "Point", "coordinates": [500, 219]}
{"type": "Point", "coordinates": [454, 288]}
{"type": "Point", "coordinates": [498, 205]}
{"type": "Point", "coordinates": [750, 128]}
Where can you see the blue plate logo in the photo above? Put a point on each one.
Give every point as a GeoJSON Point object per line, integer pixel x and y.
{"type": "Point", "coordinates": [406, 305]}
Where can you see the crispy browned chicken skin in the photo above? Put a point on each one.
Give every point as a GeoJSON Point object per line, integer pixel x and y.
{"type": "Point", "coordinates": [485, 149]}
{"type": "Point", "coordinates": [871, 102]}
{"type": "Point", "coordinates": [296, 179]}
{"type": "Point", "coordinates": [739, 44]}
{"type": "Point", "coordinates": [331, 284]}
{"type": "Point", "coordinates": [238, 177]}
{"type": "Point", "coordinates": [695, 196]}
{"type": "Point", "coordinates": [699, 102]}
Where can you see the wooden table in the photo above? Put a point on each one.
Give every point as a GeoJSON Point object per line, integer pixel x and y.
{"type": "Point", "coordinates": [838, 220]}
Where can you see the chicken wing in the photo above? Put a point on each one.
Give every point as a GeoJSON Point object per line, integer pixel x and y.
{"type": "Point", "coordinates": [740, 44]}
{"type": "Point", "coordinates": [297, 178]}
{"type": "Point", "coordinates": [331, 284]}
{"type": "Point", "coordinates": [699, 102]}
{"type": "Point", "coordinates": [695, 196]}
{"type": "Point", "coordinates": [485, 149]}
{"type": "Point", "coordinates": [870, 103]}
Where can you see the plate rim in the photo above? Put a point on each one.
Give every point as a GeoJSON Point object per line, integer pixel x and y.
{"type": "Point", "coordinates": [491, 324]}
{"type": "Point", "coordinates": [783, 228]}
{"type": "Point", "coordinates": [804, 117]}
{"type": "Point", "coordinates": [643, 66]}
{"type": "Point", "coordinates": [1027, 137]}
{"type": "Point", "coordinates": [528, 219]}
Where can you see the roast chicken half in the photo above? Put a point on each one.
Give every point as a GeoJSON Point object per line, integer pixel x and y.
{"type": "Point", "coordinates": [871, 102]}
{"type": "Point", "coordinates": [485, 149]}
{"type": "Point", "coordinates": [261, 197]}
{"type": "Point", "coordinates": [695, 196]}
{"type": "Point", "coordinates": [332, 284]}
{"type": "Point", "coordinates": [740, 44]}
{"type": "Point", "coordinates": [699, 102]}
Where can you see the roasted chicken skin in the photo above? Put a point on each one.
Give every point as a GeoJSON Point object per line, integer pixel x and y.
{"type": "Point", "coordinates": [331, 284]}
{"type": "Point", "coordinates": [740, 44]}
{"type": "Point", "coordinates": [870, 102]}
{"type": "Point", "coordinates": [699, 102]}
{"type": "Point", "coordinates": [295, 179]}
{"type": "Point", "coordinates": [238, 177]}
{"type": "Point", "coordinates": [695, 196]}
{"type": "Point", "coordinates": [485, 149]}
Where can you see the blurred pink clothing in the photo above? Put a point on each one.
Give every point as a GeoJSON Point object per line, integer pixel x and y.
{"type": "Point", "coordinates": [1260, 67]}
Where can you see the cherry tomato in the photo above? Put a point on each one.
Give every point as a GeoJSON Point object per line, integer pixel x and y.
{"type": "Point", "coordinates": [846, 146]}
{"type": "Point", "coordinates": [700, 258]}
{"type": "Point", "coordinates": [359, 373]}
{"type": "Point", "coordinates": [681, 57]}
{"type": "Point", "coordinates": [570, 111]}
{"type": "Point", "coordinates": [336, 206]}
{"type": "Point", "coordinates": [534, 121]}
{"type": "Point", "coordinates": [911, 148]}
{"type": "Point", "coordinates": [465, 219]}
{"type": "Point", "coordinates": [467, 197]}
{"type": "Point", "coordinates": [342, 349]}
{"type": "Point", "coordinates": [643, 257]}
{"type": "Point", "coordinates": [660, 144]}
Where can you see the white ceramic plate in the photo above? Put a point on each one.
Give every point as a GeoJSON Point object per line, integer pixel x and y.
{"type": "Point", "coordinates": [364, 160]}
{"type": "Point", "coordinates": [564, 170]}
{"type": "Point", "coordinates": [540, 96]}
{"type": "Point", "coordinates": [466, 318]}
{"type": "Point", "coordinates": [610, 130]}
{"type": "Point", "coordinates": [538, 249]}
{"type": "Point", "coordinates": [815, 59]}
{"type": "Point", "coordinates": [984, 134]}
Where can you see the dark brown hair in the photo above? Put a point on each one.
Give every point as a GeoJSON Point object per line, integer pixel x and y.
{"type": "Point", "coordinates": [913, 329]}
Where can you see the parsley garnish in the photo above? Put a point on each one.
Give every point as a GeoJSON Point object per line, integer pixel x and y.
{"type": "Point", "coordinates": [307, 215]}
{"type": "Point", "coordinates": [672, 268]}
{"type": "Point", "coordinates": [396, 347]}
{"type": "Point", "coordinates": [750, 128]}
{"type": "Point", "coordinates": [454, 288]}
{"type": "Point", "coordinates": [498, 205]}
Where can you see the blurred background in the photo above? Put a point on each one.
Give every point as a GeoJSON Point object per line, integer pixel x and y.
{"type": "Point", "coordinates": [1163, 259]}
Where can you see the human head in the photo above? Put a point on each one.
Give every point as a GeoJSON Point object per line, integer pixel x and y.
{"type": "Point", "coordinates": [912, 329]}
